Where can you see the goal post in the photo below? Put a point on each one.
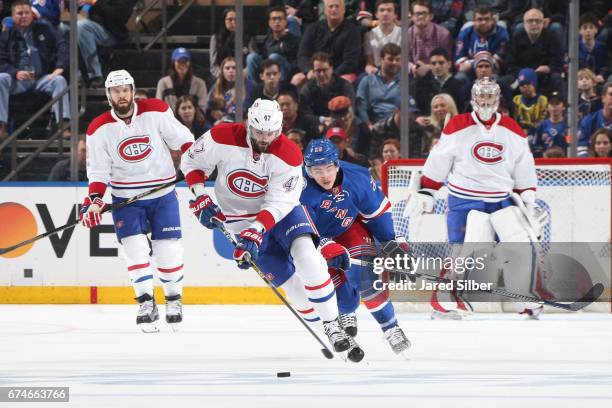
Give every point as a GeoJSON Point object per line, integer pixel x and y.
{"type": "Point", "coordinates": [577, 194]}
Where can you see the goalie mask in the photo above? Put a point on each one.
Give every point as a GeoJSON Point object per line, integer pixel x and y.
{"type": "Point", "coordinates": [115, 79]}
{"type": "Point", "coordinates": [264, 124]}
{"type": "Point", "coordinates": [485, 98]}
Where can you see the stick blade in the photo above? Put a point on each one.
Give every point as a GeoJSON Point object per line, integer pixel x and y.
{"type": "Point", "coordinates": [591, 296]}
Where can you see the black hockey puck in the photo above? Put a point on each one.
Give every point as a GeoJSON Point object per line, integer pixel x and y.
{"type": "Point", "coordinates": [283, 374]}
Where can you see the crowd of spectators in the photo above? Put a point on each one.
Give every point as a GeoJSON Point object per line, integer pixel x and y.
{"type": "Point", "coordinates": [334, 67]}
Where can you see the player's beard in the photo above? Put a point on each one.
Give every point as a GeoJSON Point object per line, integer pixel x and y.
{"type": "Point", "coordinates": [123, 109]}
{"type": "Point", "coordinates": [259, 147]}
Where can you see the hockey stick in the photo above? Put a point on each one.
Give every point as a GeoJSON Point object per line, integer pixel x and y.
{"type": "Point", "coordinates": [108, 208]}
{"type": "Point", "coordinates": [325, 350]}
{"type": "Point", "coordinates": [591, 296]}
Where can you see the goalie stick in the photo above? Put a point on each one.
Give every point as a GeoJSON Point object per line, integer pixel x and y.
{"type": "Point", "coordinates": [325, 350]}
{"type": "Point", "coordinates": [108, 208]}
{"type": "Point", "coordinates": [589, 297]}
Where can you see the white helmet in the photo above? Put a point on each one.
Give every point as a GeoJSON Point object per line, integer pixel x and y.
{"type": "Point", "coordinates": [265, 115]}
{"type": "Point", "coordinates": [118, 78]}
{"type": "Point", "coordinates": [482, 87]}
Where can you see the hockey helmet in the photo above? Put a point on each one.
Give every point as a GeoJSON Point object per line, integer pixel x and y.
{"type": "Point", "coordinates": [320, 152]}
{"type": "Point", "coordinates": [485, 97]}
{"type": "Point", "coordinates": [118, 78]}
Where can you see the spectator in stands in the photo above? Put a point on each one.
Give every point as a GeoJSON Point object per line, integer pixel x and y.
{"type": "Point", "coordinates": [438, 80]}
{"type": "Point", "coordinates": [378, 95]}
{"type": "Point", "coordinates": [189, 114]}
{"type": "Point", "coordinates": [423, 37]}
{"type": "Point", "coordinates": [536, 47]}
{"type": "Point", "coordinates": [386, 31]}
{"type": "Point", "coordinates": [141, 95]}
{"type": "Point", "coordinates": [600, 144]}
{"type": "Point", "coordinates": [270, 85]}
{"type": "Point", "coordinates": [510, 12]}
{"type": "Point", "coordinates": [551, 131]}
{"type": "Point", "coordinates": [222, 96]}
{"type": "Point", "coordinates": [596, 120]}
{"type": "Point", "coordinates": [484, 66]}
{"type": "Point", "coordinates": [339, 38]}
{"type": "Point", "coordinates": [297, 137]}
{"type": "Point", "coordinates": [294, 119]}
{"type": "Point", "coordinates": [61, 170]}
{"type": "Point", "coordinates": [104, 27]}
{"type": "Point", "coordinates": [554, 152]}
{"type": "Point", "coordinates": [343, 115]}
{"type": "Point", "coordinates": [529, 105]}
{"type": "Point", "coordinates": [32, 58]}
{"type": "Point", "coordinates": [390, 128]}
{"type": "Point", "coordinates": [429, 127]}
{"type": "Point", "coordinates": [222, 44]}
{"type": "Point", "coordinates": [325, 85]}
{"type": "Point", "coordinates": [483, 35]}
{"type": "Point", "coordinates": [299, 13]}
{"type": "Point", "coordinates": [588, 99]}
{"type": "Point", "coordinates": [181, 81]}
{"type": "Point", "coordinates": [390, 150]}
{"type": "Point", "coordinates": [448, 14]}
{"type": "Point", "coordinates": [280, 45]}
{"type": "Point", "coordinates": [591, 52]}
{"type": "Point", "coordinates": [338, 136]}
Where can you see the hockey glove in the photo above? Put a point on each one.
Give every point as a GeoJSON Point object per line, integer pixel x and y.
{"type": "Point", "coordinates": [536, 215]}
{"type": "Point", "coordinates": [90, 214]}
{"type": "Point", "coordinates": [205, 210]}
{"type": "Point", "coordinates": [399, 247]}
{"type": "Point", "coordinates": [247, 249]}
{"type": "Point", "coordinates": [336, 255]}
{"type": "Point", "coordinates": [419, 203]}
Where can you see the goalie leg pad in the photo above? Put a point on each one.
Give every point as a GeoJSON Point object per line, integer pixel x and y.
{"type": "Point", "coordinates": [168, 256]}
{"type": "Point", "coordinates": [510, 225]}
{"type": "Point", "coordinates": [311, 267]}
{"type": "Point", "coordinates": [136, 251]}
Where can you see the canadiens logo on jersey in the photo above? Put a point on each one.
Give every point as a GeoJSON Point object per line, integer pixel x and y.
{"type": "Point", "coordinates": [488, 152]}
{"type": "Point", "coordinates": [246, 184]}
{"type": "Point", "coordinates": [135, 148]}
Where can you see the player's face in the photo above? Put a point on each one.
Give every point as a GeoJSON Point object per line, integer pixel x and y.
{"type": "Point", "coordinates": [186, 111]}
{"type": "Point", "coordinates": [602, 145]}
{"type": "Point", "coordinates": [122, 98]}
{"type": "Point", "coordinates": [261, 140]}
{"type": "Point", "coordinates": [324, 175]}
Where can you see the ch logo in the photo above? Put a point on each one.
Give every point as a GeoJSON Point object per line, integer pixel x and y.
{"type": "Point", "coordinates": [135, 149]}
{"type": "Point", "coordinates": [488, 152]}
{"type": "Point", "coordinates": [246, 184]}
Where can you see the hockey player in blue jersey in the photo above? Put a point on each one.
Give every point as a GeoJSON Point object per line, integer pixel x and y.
{"type": "Point", "coordinates": [350, 212]}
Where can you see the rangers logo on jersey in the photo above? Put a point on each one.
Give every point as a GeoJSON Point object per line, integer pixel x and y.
{"type": "Point", "coordinates": [246, 184]}
{"type": "Point", "coordinates": [135, 149]}
{"type": "Point", "coordinates": [488, 152]}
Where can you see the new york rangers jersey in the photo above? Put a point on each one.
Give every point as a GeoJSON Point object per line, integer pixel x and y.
{"type": "Point", "coordinates": [352, 212]}
{"type": "Point", "coordinates": [250, 186]}
{"type": "Point", "coordinates": [481, 162]}
{"type": "Point", "coordinates": [132, 155]}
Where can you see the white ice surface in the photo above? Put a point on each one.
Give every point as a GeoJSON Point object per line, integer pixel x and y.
{"type": "Point", "coordinates": [228, 356]}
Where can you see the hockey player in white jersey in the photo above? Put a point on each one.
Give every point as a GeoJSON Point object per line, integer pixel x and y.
{"type": "Point", "coordinates": [128, 148]}
{"type": "Point", "coordinates": [485, 160]}
{"type": "Point", "coordinates": [258, 191]}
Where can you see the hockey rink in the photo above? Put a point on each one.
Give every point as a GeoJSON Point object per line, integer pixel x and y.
{"type": "Point", "coordinates": [228, 356]}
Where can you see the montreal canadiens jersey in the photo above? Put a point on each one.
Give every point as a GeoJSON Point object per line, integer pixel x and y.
{"type": "Point", "coordinates": [342, 212]}
{"type": "Point", "coordinates": [249, 186]}
{"type": "Point", "coordinates": [481, 163]}
{"type": "Point", "coordinates": [134, 157]}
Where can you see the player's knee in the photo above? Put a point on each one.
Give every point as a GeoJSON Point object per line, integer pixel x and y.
{"type": "Point", "coordinates": [136, 249]}
{"type": "Point", "coordinates": [294, 289]}
{"type": "Point", "coordinates": [168, 253]}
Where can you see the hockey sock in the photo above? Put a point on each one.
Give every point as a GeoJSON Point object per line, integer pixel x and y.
{"type": "Point", "coordinates": [136, 250]}
{"type": "Point", "coordinates": [382, 310]}
{"type": "Point", "coordinates": [172, 280]}
{"type": "Point", "coordinates": [142, 279]}
{"type": "Point", "coordinates": [168, 255]}
{"type": "Point", "coordinates": [311, 267]}
{"type": "Point", "coordinates": [294, 289]}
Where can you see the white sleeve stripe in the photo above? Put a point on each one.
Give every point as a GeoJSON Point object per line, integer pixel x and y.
{"type": "Point", "coordinates": [381, 209]}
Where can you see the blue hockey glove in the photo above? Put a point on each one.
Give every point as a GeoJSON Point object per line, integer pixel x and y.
{"type": "Point", "coordinates": [247, 249]}
{"type": "Point", "coordinates": [205, 210]}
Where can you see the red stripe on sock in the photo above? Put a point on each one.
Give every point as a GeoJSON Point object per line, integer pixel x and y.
{"type": "Point", "coordinates": [306, 311]}
{"type": "Point", "coordinates": [170, 270]}
{"type": "Point", "coordinates": [139, 266]}
{"type": "Point", "coordinates": [327, 282]}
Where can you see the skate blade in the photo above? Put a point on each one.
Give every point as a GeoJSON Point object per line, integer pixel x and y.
{"type": "Point", "coordinates": [450, 315]}
{"type": "Point", "coordinates": [175, 327]}
{"type": "Point", "coordinates": [148, 327]}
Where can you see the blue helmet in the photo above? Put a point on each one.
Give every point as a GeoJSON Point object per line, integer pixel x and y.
{"type": "Point", "coordinates": [320, 151]}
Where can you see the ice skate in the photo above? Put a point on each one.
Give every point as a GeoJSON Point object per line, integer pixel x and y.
{"type": "Point", "coordinates": [348, 321]}
{"type": "Point", "coordinates": [337, 336]}
{"type": "Point", "coordinates": [397, 340]}
{"type": "Point", "coordinates": [532, 314]}
{"type": "Point", "coordinates": [355, 353]}
{"type": "Point", "coordinates": [174, 311]}
{"type": "Point", "coordinates": [147, 314]}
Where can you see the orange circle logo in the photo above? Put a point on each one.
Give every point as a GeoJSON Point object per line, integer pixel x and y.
{"type": "Point", "coordinates": [18, 225]}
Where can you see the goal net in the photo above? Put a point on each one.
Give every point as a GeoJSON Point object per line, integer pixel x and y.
{"type": "Point", "coordinates": [577, 194]}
